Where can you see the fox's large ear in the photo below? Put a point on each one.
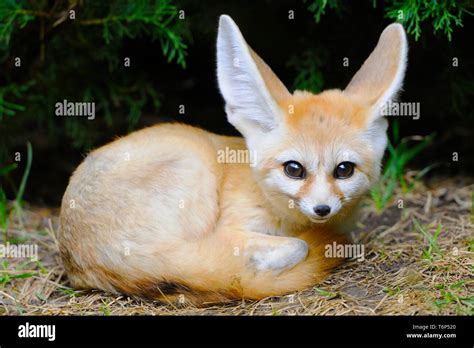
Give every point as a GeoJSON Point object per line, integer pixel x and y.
{"type": "Point", "coordinates": [381, 75]}
{"type": "Point", "coordinates": [250, 89]}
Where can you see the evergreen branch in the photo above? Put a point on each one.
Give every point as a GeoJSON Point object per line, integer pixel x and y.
{"type": "Point", "coordinates": [443, 14]}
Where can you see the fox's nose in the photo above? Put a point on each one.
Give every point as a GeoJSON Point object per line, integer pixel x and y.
{"type": "Point", "coordinates": [322, 210]}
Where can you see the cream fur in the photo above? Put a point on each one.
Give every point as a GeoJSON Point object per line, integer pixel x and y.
{"type": "Point", "coordinates": [155, 214]}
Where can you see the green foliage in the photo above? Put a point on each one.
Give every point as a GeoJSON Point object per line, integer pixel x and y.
{"type": "Point", "coordinates": [455, 294]}
{"type": "Point", "coordinates": [4, 201]}
{"type": "Point", "coordinates": [17, 204]}
{"type": "Point", "coordinates": [122, 19]}
{"type": "Point", "coordinates": [80, 59]}
{"type": "Point", "coordinates": [443, 14]}
{"type": "Point", "coordinates": [70, 292]}
{"type": "Point", "coordinates": [134, 18]}
{"type": "Point", "coordinates": [392, 291]}
{"type": "Point", "coordinates": [21, 190]}
{"type": "Point", "coordinates": [105, 308]}
{"type": "Point", "coordinates": [433, 247]}
{"type": "Point", "coordinates": [12, 15]}
{"type": "Point", "coordinates": [7, 274]}
{"type": "Point", "coordinates": [328, 294]}
{"type": "Point", "coordinates": [318, 7]}
{"type": "Point", "coordinates": [400, 154]}
{"type": "Point", "coordinates": [471, 242]}
{"type": "Point", "coordinates": [7, 108]}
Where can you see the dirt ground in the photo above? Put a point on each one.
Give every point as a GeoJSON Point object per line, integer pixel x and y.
{"type": "Point", "coordinates": [407, 268]}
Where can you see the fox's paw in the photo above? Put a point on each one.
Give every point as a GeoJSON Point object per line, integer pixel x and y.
{"type": "Point", "coordinates": [275, 254]}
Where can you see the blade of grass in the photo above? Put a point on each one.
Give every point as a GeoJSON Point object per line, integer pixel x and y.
{"type": "Point", "coordinates": [24, 179]}
{"type": "Point", "coordinates": [431, 238]}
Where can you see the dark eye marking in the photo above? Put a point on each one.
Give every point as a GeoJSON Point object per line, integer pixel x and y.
{"type": "Point", "coordinates": [294, 170]}
{"type": "Point", "coordinates": [344, 170]}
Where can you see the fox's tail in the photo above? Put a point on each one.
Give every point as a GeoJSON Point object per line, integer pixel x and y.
{"type": "Point", "coordinates": [216, 270]}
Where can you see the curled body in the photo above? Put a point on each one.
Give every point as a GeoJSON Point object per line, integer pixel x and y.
{"type": "Point", "coordinates": [161, 212]}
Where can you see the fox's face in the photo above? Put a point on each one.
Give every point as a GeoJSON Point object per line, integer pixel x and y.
{"type": "Point", "coordinates": [323, 157]}
{"type": "Point", "coordinates": [316, 155]}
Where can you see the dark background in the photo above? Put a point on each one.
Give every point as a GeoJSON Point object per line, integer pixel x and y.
{"type": "Point", "coordinates": [445, 92]}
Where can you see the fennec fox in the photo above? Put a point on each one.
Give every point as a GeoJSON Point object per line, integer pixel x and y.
{"type": "Point", "coordinates": [161, 213]}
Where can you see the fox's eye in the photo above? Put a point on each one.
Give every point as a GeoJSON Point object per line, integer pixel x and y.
{"type": "Point", "coordinates": [294, 170]}
{"type": "Point", "coordinates": [344, 170]}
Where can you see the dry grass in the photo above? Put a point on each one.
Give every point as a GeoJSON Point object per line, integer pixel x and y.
{"type": "Point", "coordinates": [398, 275]}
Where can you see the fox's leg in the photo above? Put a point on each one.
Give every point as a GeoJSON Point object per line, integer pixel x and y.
{"type": "Point", "coordinates": [270, 268]}
{"type": "Point", "coordinates": [273, 254]}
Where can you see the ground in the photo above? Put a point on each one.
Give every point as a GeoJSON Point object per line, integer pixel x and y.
{"type": "Point", "coordinates": [419, 256]}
